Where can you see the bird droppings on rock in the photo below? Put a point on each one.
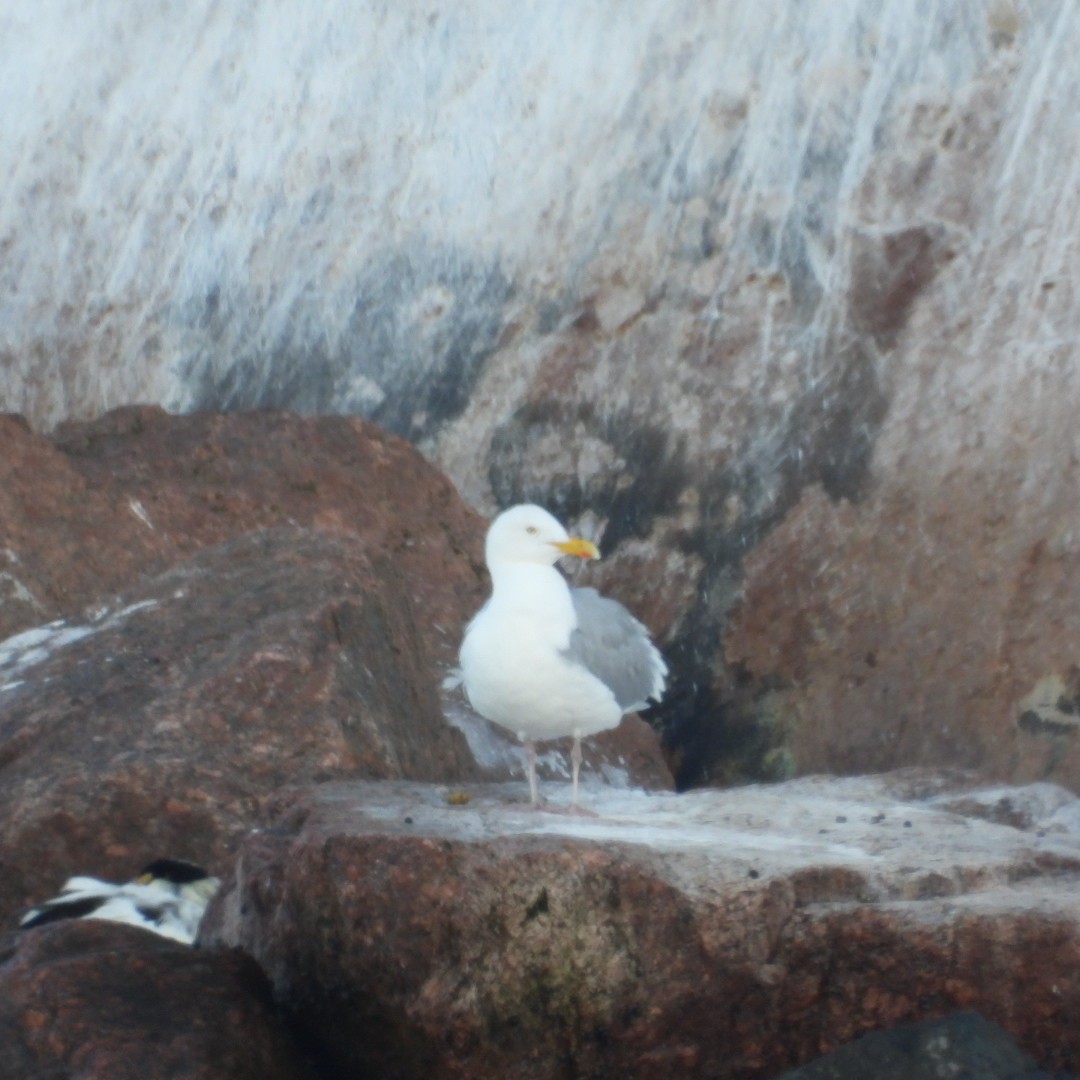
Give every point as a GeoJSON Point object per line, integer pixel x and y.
{"type": "Point", "coordinates": [292, 634]}
{"type": "Point", "coordinates": [280, 656]}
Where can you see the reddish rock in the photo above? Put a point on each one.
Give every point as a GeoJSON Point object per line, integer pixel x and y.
{"type": "Point", "coordinates": [778, 310]}
{"type": "Point", "coordinates": [63, 541]}
{"type": "Point", "coordinates": [632, 749]}
{"type": "Point", "coordinates": [101, 505]}
{"type": "Point", "coordinates": [917, 634]}
{"type": "Point", "coordinates": [722, 935]}
{"type": "Point", "coordinates": [282, 656]}
{"type": "Point", "coordinates": [96, 1001]}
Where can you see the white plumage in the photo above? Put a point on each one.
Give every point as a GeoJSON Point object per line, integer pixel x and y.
{"type": "Point", "coordinates": [168, 898]}
{"type": "Point", "coordinates": [544, 660]}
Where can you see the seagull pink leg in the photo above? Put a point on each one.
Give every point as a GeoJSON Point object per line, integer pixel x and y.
{"type": "Point", "coordinates": [575, 761]}
{"type": "Point", "coordinates": [530, 762]}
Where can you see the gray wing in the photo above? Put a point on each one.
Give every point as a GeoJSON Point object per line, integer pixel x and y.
{"type": "Point", "coordinates": [615, 647]}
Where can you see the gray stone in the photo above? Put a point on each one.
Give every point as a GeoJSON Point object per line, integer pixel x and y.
{"type": "Point", "coordinates": [963, 1046]}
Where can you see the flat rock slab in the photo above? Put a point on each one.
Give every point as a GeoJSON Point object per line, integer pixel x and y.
{"type": "Point", "coordinates": [90, 1000]}
{"type": "Point", "coordinates": [414, 930]}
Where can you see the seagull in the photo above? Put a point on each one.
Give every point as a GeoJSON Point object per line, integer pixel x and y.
{"type": "Point", "coordinates": [168, 898]}
{"type": "Point", "coordinates": [544, 660]}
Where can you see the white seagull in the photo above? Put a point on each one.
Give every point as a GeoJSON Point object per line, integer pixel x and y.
{"type": "Point", "coordinates": [544, 660]}
{"type": "Point", "coordinates": [168, 897]}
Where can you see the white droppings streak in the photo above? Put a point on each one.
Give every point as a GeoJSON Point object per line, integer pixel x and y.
{"type": "Point", "coordinates": [27, 649]}
{"type": "Point", "coordinates": [139, 511]}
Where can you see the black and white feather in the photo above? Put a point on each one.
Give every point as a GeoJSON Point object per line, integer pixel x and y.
{"type": "Point", "coordinates": [169, 897]}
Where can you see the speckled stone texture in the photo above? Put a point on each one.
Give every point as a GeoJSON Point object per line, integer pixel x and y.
{"type": "Point", "coordinates": [100, 505]}
{"type": "Point", "coordinates": [96, 1001]}
{"type": "Point", "coordinates": [280, 657]}
{"type": "Point", "coordinates": [719, 935]}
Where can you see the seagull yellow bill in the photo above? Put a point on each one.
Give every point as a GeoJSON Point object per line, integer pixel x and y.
{"type": "Point", "coordinates": [574, 545]}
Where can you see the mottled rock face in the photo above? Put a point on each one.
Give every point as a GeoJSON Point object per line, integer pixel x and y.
{"type": "Point", "coordinates": [96, 1000]}
{"type": "Point", "coordinates": [707, 935]}
{"type": "Point", "coordinates": [280, 657]}
{"type": "Point", "coordinates": [775, 302]}
{"type": "Point", "coordinates": [932, 631]}
{"type": "Point", "coordinates": [87, 513]}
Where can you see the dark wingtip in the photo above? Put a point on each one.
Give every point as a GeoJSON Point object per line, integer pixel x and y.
{"type": "Point", "coordinates": [61, 910]}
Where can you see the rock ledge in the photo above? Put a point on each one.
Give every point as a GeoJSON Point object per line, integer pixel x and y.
{"type": "Point", "coordinates": [718, 934]}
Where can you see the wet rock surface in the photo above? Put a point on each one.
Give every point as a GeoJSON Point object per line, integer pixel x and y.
{"type": "Point", "coordinates": [97, 1001]}
{"type": "Point", "coordinates": [730, 934]}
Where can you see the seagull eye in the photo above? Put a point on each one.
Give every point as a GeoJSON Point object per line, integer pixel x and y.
{"type": "Point", "coordinates": [531, 529]}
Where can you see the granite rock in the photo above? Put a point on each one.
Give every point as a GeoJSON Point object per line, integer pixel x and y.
{"type": "Point", "coordinates": [158, 725]}
{"type": "Point", "coordinates": [773, 300]}
{"type": "Point", "coordinates": [711, 934]}
{"type": "Point", "coordinates": [213, 606]}
{"type": "Point", "coordinates": [98, 506]}
{"type": "Point", "coordinates": [97, 1001]}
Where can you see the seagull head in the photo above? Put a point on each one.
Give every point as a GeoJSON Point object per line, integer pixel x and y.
{"type": "Point", "coordinates": [529, 534]}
